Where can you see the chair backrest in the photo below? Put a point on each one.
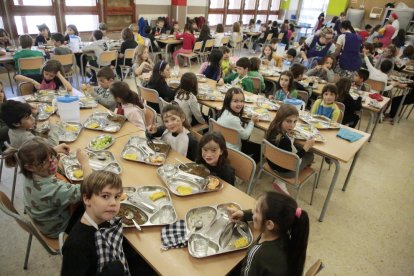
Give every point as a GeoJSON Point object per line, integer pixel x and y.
{"type": "Point", "coordinates": [162, 103]}
{"type": "Point", "coordinates": [376, 85]}
{"type": "Point", "coordinates": [108, 56]}
{"type": "Point", "coordinates": [31, 63]}
{"type": "Point", "coordinates": [197, 46]}
{"type": "Point", "coordinates": [25, 88]}
{"type": "Point", "coordinates": [209, 43]}
{"type": "Point", "coordinates": [282, 158]}
{"type": "Point", "coordinates": [231, 136]}
{"type": "Point", "coordinates": [225, 40]}
{"type": "Point", "coordinates": [196, 135]}
{"type": "Point", "coordinates": [257, 85]}
{"type": "Point", "coordinates": [341, 106]}
{"type": "Point", "coordinates": [280, 36]}
{"type": "Point", "coordinates": [315, 268]}
{"type": "Point", "coordinates": [68, 59]}
{"type": "Point", "coordinates": [129, 54]}
{"type": "Point", "coordinates": [268, 38]}
{"type": "Point", "coordinates": [244, 165]}
{"type": "Point", "coordinates": [150, 116]}
{"type": "Point", "coordinates": [150, 95]}
{"type": "Point", "coordinates": [304, 96]}
{"type": "Point", "coordinates": [239, 39]}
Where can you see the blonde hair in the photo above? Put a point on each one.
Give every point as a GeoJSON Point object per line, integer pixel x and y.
{"type": "Point", "coordinates": [134, 27]}
{"type": "Point", "coordinates": [139, 50]}
{"type": "Point", "coordinates": [97, 181]}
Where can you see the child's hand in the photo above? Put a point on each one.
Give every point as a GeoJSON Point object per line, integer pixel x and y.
{"type": "Point", "coordinates": [152, 129]}
{"type": "Point", "coordinates": [235, 214]}
{"type": "Point", "coordinates": [59, 74]}
{"type": "Point", "coordinates": [62, 148]}
{"type": "Point", "coordinates": [255, 118]}
{"type": "Point", "coordinates": [231, 66]}
{"type": "Point", "coordinates": [220, 82]}
{"type": "Point", "coordinates": [34, 109]}
{"type": "Point", "coordinates": [271, 97]}
{"type": "Point", "coordinates": [309, 144]}
{"type": "Point", "coordinates": [82, 156]}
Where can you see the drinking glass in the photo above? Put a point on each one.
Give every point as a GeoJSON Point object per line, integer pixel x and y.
{"type": "Point", "coordinates": [201, 247]}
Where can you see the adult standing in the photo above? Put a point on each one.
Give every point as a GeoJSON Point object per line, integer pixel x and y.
{"type": "Point", "coordinates": [337, 26]}
{"type": "Point", "coordinates": [319, 23]}
{"type": "Point", "coordinates": [395, 24]}
{"type": "Point", "coordinates": [387, 32]}
{"type": "Point", "coordinates": [317, 46]}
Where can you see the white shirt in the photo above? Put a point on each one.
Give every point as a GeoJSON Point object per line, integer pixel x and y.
{"type": "Point", "coordinates": [218, 37]}
{"type": "Point", "coordinates": [227, 119]}
{"type": "Point", "coordinates": [396, 25]}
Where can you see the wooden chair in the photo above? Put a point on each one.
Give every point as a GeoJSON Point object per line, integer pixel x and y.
{"type": "Point", "coordinates": [50, 245]}
{"type": "Point", "coordinates": [162, 103]}
{"type": "Point", "coordinates": [126, 69]}
{"type": "Point", "coordinates": [197, 135]}
{"type": "Point", "coordinates": [257, 85]}
{"type": "Point", "coordinates": [286, 160]}
{"type": "Point", "coordinates": [342, 108]}
{"type": "Point", "coordinates": [376, 85]}
{"type": "Point", "coordinates": [268, 38]}
{"type": "Point", "coordinates": [194, 54]}
{"type": "Point", "coordinates": [106, 57]}
{"type": "Point", "coordinates": [280, 36]}
{"type": "Point", "coordinates": [155, 54]}
{"type": "Point", "coordinates": [315, 268]}
{"type": "Point", "coordinates": [150, 115]}
{"type": "Point", "coordinates": [25, 88]}
{"type": "Point", "coordinates": [225, 41]}
{"type": "Point", "coordinates": [148, 94]}
{"type": "Point", "coordinates": [231, 136]}
{"type": "Point", "coordinates": [244, 166]}
{"type": "Point", "coordinates": [67, 60]}
{"type": "Point", "coordinates": [304, 96]}
{"type": "Point", "coordinates": [14, 175]}
{"type": "Point", "coordinates": [199, 127]}
{"type": "Point", "coordinates": [207, 48]}
{"type": "Point", "coordinates": [32, 63]}
{"type": "Point", "coordinates": [239, 44]}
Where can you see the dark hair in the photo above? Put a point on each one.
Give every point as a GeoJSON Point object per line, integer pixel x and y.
{"type": "Point", "coordinates": [188, 84]}
{"type": "Point", "coordinates": [73, 27]}
{"type": "Point", "coordinates": [147, 29]}
{"type": "Point", "coordinates": [342, 14]}
{"type": "Point", "coordinates": [408, 52]}
{"type": "Point", "coordinates": [58, 37]}
{"type": "Point", "coordinates": [127, 34]}
{"type": "Point", "coordinates": [291, 52]}
{"type": "Point", "coordinates": [25, 41]}
{"type": "Point", "coordinates": [53, 66]}
{"type": "Point", "coordinates": [219, 28]}
{"type": "Point", "coordinates": [368, 26]}
{"type": "Point", "coordinates": [270, 57]}
{"type": "Point", "coordinates": [175, 109]}
{"type": "Point", "coordinates": [236, 27]}
{"type": "Point", "coordinates": [121, 90]}
{"type": "Point", "coordinates": [325, 58]}
{"type": "Point", "coordinates": [12, 112]}
{"type": "Point", "coordinates": [330, 88]}
{"type": "Point", "coordinates": [218, 138]}
{"type": "Point", "coordinates": [347, 26]}
{"type": "Point", "coordinates": [393, 50]}
{"type": "Point", "coordinates": [274, 40]}
{"type": "Point", "coordinates": [102, 26]}
{"type": "Point", "coordinates": [42, 27]}
{"type": "Point", "coordinates": [214, 58]}
{"type": "Point", "coordinates": [369, 47]}
{"type": "Point", "coordinates": [156, 76]}
{"type": "Point", "coordinates": [255, 64]}
{"type": "Point", "coordinates": [251, 21]}
{"type": "Point", "coordinates": [275, 131]}
{"type": "Point", "coordinates": [225, 49]}
{"type": "Point", "coordinates": [243, 62]}
{"type": "Point", "coordinates": [376, 28]}
{"type": "Point", "coordinates": [322, 15]}
{"type": "Point", "coordinates": [386, 66]}
{"type": "Point", "coordinates": [297, 69]}
{"type": "Point", "coordinates": [291, 79]}
{"type": "Point", "coordinates": [3, 32]}
{"type": "Point", "coordinates": [106, 72]}
{"type": "Point", "coordinates": [97, 34]}
{"type": "Point", "coordinates": [363, 74]}
{"type": "Point", "coordinates": [334, 19]}
{"type": "Point", "coordinates": [188, 28]}
{"type": "Point", "coordinates": [227, 101]}
{"type": "Point", "coordinates": [204, 32]}
{"type": "Point", "coordinates": [343, 85]}
{"type": "Point", "coordinates": [94, 183]}
{"type": "Point", "coordinates": [259, 21]}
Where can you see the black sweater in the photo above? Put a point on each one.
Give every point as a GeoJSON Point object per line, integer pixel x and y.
{"type": "Point", "coordinates": [351, 106]}
{"type": "Point", "coordinates": [284, 144]}
{"type": "Point", "coordinates": [164, 91]}
{"type": "Point", "coordinates": [225, 172]}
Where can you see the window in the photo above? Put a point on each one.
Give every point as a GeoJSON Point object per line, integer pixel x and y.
{"type": "Point", "coordinates": [1, 22]}
{"type": "Point", "coordinates": [246, 18]}
{"type": "Point", "coordinates": [216, 4]}
{"type": "Point", "coordinates": [85, 3]}
{"type": "Point", "coordinates": [231, 18]}
{"type": "Point", "coordinates": [273, 17]}
{"type": "Point", "coordinates": [119, 13]}
{"type": "Point", "coordinates": [82, 11]}
{"type": "Point", "coordinates": [89, 22]}
{"type": "Point", "coordinates": [214, 19]}
{"type": "Point", "coordinates": [261, 17]}
{"type": "Point", "coordinates": [264, 5]}
{"type": "Point", "coordinates": [28, 24]}
{"type": "Point", "coordinates": [234, 4]}
{"type": "Point", "coordinates": [250, 4]}
{"type": "Point", "coordinates": [32, 2]}
{"type": "Point", "coordinates": [311, 9]}
{"type": "Point", "coordinates": [275, 5]}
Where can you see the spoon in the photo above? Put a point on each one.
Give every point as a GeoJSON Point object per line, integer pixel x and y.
{"type": "Point", "coordinates": [198, 225]}
{"type": "Point", "coordinates": [182, 163]}
{"type": "Point", "coordinates": [130, 216]}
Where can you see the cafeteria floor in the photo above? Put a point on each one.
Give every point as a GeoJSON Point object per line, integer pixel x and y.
{"type": "Point", "coordinates": [367, 229]}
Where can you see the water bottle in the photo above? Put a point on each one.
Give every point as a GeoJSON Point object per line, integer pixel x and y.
{"type": "Point", "coordinates": [286, 65]}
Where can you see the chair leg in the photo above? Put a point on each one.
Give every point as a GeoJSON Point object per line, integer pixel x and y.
{"type": "Point", "coordinates": [1, 166]}
{"type": "Point", "coordinates": [319, 174]}
{"type": "Point", "coordinates": [314, 187]}
{"type": "Point", "coordinates": [14, 184]}
{"type": "Point", "coordinates": [29, 245]}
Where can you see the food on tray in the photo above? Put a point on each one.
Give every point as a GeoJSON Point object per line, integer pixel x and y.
{"type": "Point", "coordinates": [78, 173]}
{"type": "Point", "coordinates": [195, 169]}
{"type": "Point", "coordinates": [267, 106]}
{"type": "Point", "coordinates": [72, 128]}
{"type": "Point", "coordinates": [93, 125]}
{"type": "Point", "coordinates": [318, 125]}
{"type": "Point", "coordinates": [157, 195]}
{"type": "Point", "coordinates": [101, 142]}
{"type": "Point", "coordinates": [49, 109]}
{"type": "Point", "coordinates": [123, 212]}
{"type": "Point", "coordinates": [131, 156]}
{"type": "Point", "coordinates": [260, 111]}
{"type": "Point", "coordinates": [213, 183]}
{"type": "Point", "coordinates": [123, 196]}
{"type": "Point", "coordinates": [184, 190]}
{"type": "Point", "coordinates": [241, 242]}
{"type": "Point", "coordinates": [156, 159]}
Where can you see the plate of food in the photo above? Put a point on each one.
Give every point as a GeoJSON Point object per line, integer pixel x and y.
{"type": "Point", "coordinates": [218, 97]}
{"type": "Point", "coordinates": [105, 122]}
{"type": "Point", "coordinates": [45, 111]}
{"type": "Point", "coordinates": [306, 132]}
{"type": "Point", "coordinates": [69, 132]}
{"type": "Point", "coordinates": [319, 121]}
{"type": "Point", "coordinates": [201, 78]}
{"type": "Point", "coordinates": [101, 142]}
{"type": "Point", "coordinates": [262, 113]}
{"type": "Point", "coordinates": [139, 149]}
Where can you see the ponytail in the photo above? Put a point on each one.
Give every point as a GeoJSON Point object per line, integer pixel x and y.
{"type": "Point", "coordinates": [121, 90]}
{"type": "Point", "coordinates": [10, 157]}
{"type": "Point", "coordinates": [298, 243]}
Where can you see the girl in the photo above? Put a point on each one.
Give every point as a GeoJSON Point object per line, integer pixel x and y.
{"type": "Point", "coordinates": [128, 42]}
{"type": "Point", "coordinates": [4, 39]}
{"type": "Point", "coordinates": [4, 129]}
{"type": "Point", "coordinates": [129, 104]}
{"type": "Point", "coordinates": [51, 77]}
{"type": "Point", "coordinates": [319, 23]}
{"type": "Point", "coordinates": [186, 97]}
{"type": "Point", "coordinates": [136, 36]}
{"type": "Point", "coordinates": [235, 35]}
{"type": "Point", "coordinates": [387, 32]}
{"type": "Point", "coordinates": [38, 162]}
{"type": "Point", "coordinates": [324, 69]}
{"type": "Point", "coordinates": [267, 56]}
{"type": "Point", "coordinates": [218, 36]}
{"type": "Point", "coordinates": [230, 116]}
{"type": "Point", "coordinates": [204, 35]}
{"type": "Point", "coordinates": [175, 131]}
{"type": "Point", "coordinates": [188, 43]}
{"type": "Point", "coordinates": [225, 65]}
{"type": "Point", "coordinates": [286, 88]}
{"type": "Point", "coordinates": [44, 34]}
{"type": "Point", "coordinates": [212, 153]}
{"type": "Point", "coordinates": [212, 69]}
{"type": "Point", "coordinates": [160, 72]}
{"type": "Point", "coordinates": [282, 244]}
{"type": "Point", "coordinates": [373, 37]}
{"type": "Point", "coordinates": [390, 53]}
{"type": "Point", "coordinates": [142, 62]}
{"type": "Point", "coordinates": [327, 106]}
{"type": "Point", "coordinates": [175, 28]}
{"type": "Point", "coordinates": [351, 106]}
{"type": "Point", "coordinates": [71, 30]}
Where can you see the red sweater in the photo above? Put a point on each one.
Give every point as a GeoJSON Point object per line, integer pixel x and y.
{"type": "Point", "coordinates": [363, 34]}
{"type": "Point", "coordinates": [188, 40]}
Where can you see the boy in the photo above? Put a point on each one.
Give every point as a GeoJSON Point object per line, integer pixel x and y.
{"type": "Point", "coordinates": [103, 28]}
{"type": "Point", "coordinates": [240, 77]}
{"type": "Point", "coordinates": [226, 66]}
{"type": "Point", "coordinates": [297, 72]}
{"type": "Point", "coordinates": [60, 49]}
{"type": "Point", "coordinates": [97, 47]}
{"type": "Point", "coordinates": [101, 93]}
{"type": "Point", "coordinates": [274, 41]}
{"type": "Point", "coordinates": [364, 34]}
{"type": "Point", "coordinates": [360, 77]}
{"type": "Point", "coordinates": [368, 50]}
{"type": "Point", "coordinates": [327, 106]}
{"type": "Point", "coordinates": [26, 43]}
{"type": "Point", "coordinates": [159, 28]}
{"type": "Point", "coordinates": [254, 72]}
{"type": "Point", "coordinates": [289, 56]}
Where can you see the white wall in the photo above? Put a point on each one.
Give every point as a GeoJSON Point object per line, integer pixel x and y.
{"type": "Point", "coordinates": [199, 3]}
{"type": "Point", "coordinates": [153, 2]}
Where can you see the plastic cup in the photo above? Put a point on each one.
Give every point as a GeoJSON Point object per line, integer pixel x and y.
{"type": "Point", "coordinates": [201, 247]}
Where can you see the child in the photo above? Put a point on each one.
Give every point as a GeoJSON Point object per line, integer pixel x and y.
{"type": "Point", "coordinates": [186, 97]}
{"type": "Point", "coordinates": [212, 69]}
{"type": "Point", "coordinates": [368, 50]}
{"type": "Point", "coordinates": [387, 31]}
{"type": "Point", "coordinates": [44, 35]}
{"type": "Point", "coordinates": [373, 37]}
{"type": "Point", "coordinates": [103, 28]}
{"type": "Point", "coordinates": [101, 93]}
{"type": "Point", "coordinates": [51, 77]}
{"type": "Point", "coordinates": [327, 106]}
{"type": "Point", "coordinates": [26, 42]}
{"type": "Point", "coordinates": [150, 36]}
{"type": "Point", "coordinates": [194, 26]}
{"type": "Point", "coordinates": [130, 105]}
{"type": "Point", "coordinates": [364, 34]}
{"type": "Point", "coordinates": [240, 77]}
{"type": "Point", "coordinates": [176, 28]}
{"type": "Point", "coordinates": [71, 31]}
{"type": "Point", "coordinates": [297, 71]}
{"type": "Point", "coordinates": [175, 131]}
{"type": "Point", "coordinates": [159, 28]}
{"type": "Point", "coordinates": [230, 116]}
{"type": "Point", "coordinates": [359, 79]}
{"type": "Point", "coordinates": [273, 42]}
{"type": "Point", "coordinates": [382, 74]}
{"type": "Point", "coordinates": [324, 69]}
{"type": "Point", "coordinates": [137, 37]}
{"type": "Point", "coordinates": [4, 129]}
{"type": "Point", "coordinates": [267, 56]}
{"type": "Point", "coordinates": [235, 35]}
{"type": "Point", "coordinates": [281, 247]}
{"type": "Point", "coordinates": [97, 47]}
{"type": "Point", "coordinates": [127, 43]}
{"type": "Point", "coordinates": [351, 106]}
{"type": "Point", "coordinates": [204, 35]}
{"type": "Point", "coordinates": [225, 65]}
{"type": "Point", "coordinates": [286, 89]}
{"type": "Point", "coordinates": [254, 72]}
{"type": "Point", "coordinates": [218, 36]}
{"type": "Point", "coordinates": [4, 39]}
{"type": "Point", "coordinates": [47, 199]}
{"type": "Point", "coordinates": [188, 43]}
{"type": "Point", "coordinates": [390, 52]}
{"type": "Point", "coordinates": [60, 49]}
{"type": "Point", "coordinates": [142, 62]}
{"type": "Point", "coordinates": [289, 56]}
{"type": "Point", "coordinates": [212, 153]}
{"type": "Point", "coordinates": [157, 82]}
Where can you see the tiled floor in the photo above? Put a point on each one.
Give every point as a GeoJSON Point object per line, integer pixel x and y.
{"type": "Point", "coordinates": [367, 229]}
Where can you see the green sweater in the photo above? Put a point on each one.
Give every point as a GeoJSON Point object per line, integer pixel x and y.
{"type": "Point", "coordinates": [256, 74]}
{"type": "Point", "coordinates": [26, 53]}
{"type": "Point", "coordinates": [245, 82]}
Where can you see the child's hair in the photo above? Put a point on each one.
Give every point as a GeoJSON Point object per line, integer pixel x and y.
{"type": "Point", "coordinates": [236, 27]}
{"type": "Point", "coordinates": [58, 37]}
{"type": "Point", "coordinates": [127, 34]}
{"type": "Point", "coordinates": [408, 52]}
{"type": "Point", "coordinates": [25, 41]}
{"type": "Point", "coordinates": [291, 223]}
{"type": "Point", "coordinates": [42, 27]}
{"type": "Point", "coordinates": [214, 58]}
{"type": "Point", "coordinates": [188, 28]}
{"type": "Point", "coordinates": [343, 85]}
{"type": "Point", "coordinates": [369, 47]}
{"type": "Point", "coordinates": [205, 31]}
{"type": "Point", "coordinates": [274, 40]}
{"type": "Point", "coordinates": [33, 152]}
{"type": "Point", "coordinates": [97, 34]}
{"type": "Point", "coordinates": [363, 74]}
{"type": "Point", "coordinates": [255, 64]}
{"type": "Point", "coordinates": [139, 50]}
{"type": "Point", "coordinates": [220, 28]}
{"type": "Point", "coordinates": [106, 72]}
{"type": "Point", "coordinates": [3, 32]}
{"type": "Point", "coordinates": [392, 49]}
{"type": "Point", "coordinates": [271, 52]}
{"type": "Point", "coordinates": [147, 29]}
{"type": "Point", "coordinates": [297, 69]}
{"type": "Point", "coordinates": [368, 26]}
{"type": "Point", "coordinates": [156, 76]}
{"type": "Point", "coordinates": [291, 52]}
{"type": "Point", "coordinates": [2, 91]}
{"type": "Point", "coordinates": [12, 112]}
{"type": "Point", "coordinates": [325, 58]}
{"type": "Point", "coordinates": [53, 66]}
{"type": "Point", "coordinates": [251, 21]}
{"type": "Point", "coordinates": [188, 84]}
{"type": "Point", "coordinates": [218, 138]}
{"type": "Point", "coordinates": [73, 27]}
{"type": "Point", "coordinates": [386, 66]}
{"type": "Point", "coordinates": [302, 40]}
{"type": "Point", "coordinates": [121, 90]}
{"type": "Point", "coordinates": [275, 132]}
{"type": "Point", "coordinates": [102, 26]}
{"type": "Point", "coordinates": [176, 110]}
{"type": "Point", "coordinates": [376, 28]}
{"type": "Point", "coordinates": [97, 181]}
{"type": "Point", "coordinates": [225, 49]}
{"type": "Point", "coordinates": [330, 88]}
{"type": "Point", "coordinates": [227, 101]}
{"type": "Point", "coordinates": [243, 62]}
{"type": "Point", "coordinates": [291, 79]}
{"type": "Point", "coordinates": [133, 27]}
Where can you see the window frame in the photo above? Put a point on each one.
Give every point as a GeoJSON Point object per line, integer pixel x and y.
{"type": "Point", "coordinates": [109, 11]}
{"type": "Point", "coordinates": [79, 10]}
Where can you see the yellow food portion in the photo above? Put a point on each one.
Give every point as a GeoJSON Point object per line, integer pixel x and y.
{"type": "Point", "coordinates": [93, 125]}
{"type": "Point", "coordinates": [260, 110]}
{"type": "Point", "coordinates": [157, 195]}
{"type": "Point", "coordinates": [123, 196]}
{"type": "Point", "coordinates": [157, 159]}
{"type": "Point", "coordinates": [131, 156]}
{"type": "Point", "coordinates": [71, 128]}
{"type": "Point", "coordinates": [318, 125]}
{"type": "Point", "coordinates": [241, 242]}
{"type": "Point", "coordinates": [49, 109]}
{"type": "Point", "coordinates": [213, 183]}
{"type": "Point", "coordinates": [78, 173]}
{"type": "Point", "coordinates": [184, 190]}
{"type": "Point", "coordinates": [267, 106]}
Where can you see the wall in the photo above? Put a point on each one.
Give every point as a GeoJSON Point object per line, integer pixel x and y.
{"type": "Point", "coordinates": [335, 7]}
{"type": "Point", "coordinates": [150, 10]}
{"type": "Point", "coordinates": [197, 8]}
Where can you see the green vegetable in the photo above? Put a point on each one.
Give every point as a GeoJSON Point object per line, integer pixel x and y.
{"type": "Point", "coordinates": [101, 143]}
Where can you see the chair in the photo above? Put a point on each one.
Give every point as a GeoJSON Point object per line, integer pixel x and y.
{"type": "Point", "coordinates": [31, 63]}
{"type": "Point", "coordinates": [342, 108]}
{"type": "Point", "coordinates": [207, 48]}
{"type": "Point", "coordinates": [155, 54]}
{"type": "Point", "coordinates": [150, 115]}
{"type": "Point", "coordinates": [257, 85]}
{"type": "Point", "coordinates": [126, 69]}
{"type": "Point", "coordinates": [162, 103]}
{"type": "Point", "coordinates": [67, 60]}
{"type": "Point", "coordinates": [196, 135]}
{"type": "Point", "coordinates": [14, 175]}
{"type": "Point", "coordinates": [148, 94]}
{"type": "Point", "coordinates": [50, 245]}
{"type": "Point", "coordinates": [199, 127]}
{"type": "Point", "coordinates": [280, 36]}
{"type": "Point", "coordinates": [304, 96]}
{"type": "Point", "coordinates": [267, 41]}
{"type": "Point", "coordinates": [106, 57]}
{"type": "Point", "coordinates": [286, 160]}
{"type": "Point", "coordinates": [239, 44]}
{"type": "Point", "coordinates": [231, 136]}
{"type": "Point", "coordinates": [244, 166]}
{"type": "Point", "coordinates": [25, 88]}
{"type": "Point", "coordinates": [195, 54]}
{"type": "Point", "coordinates": [376, 85]}
{"type": "Point", "coordinates": [315, 268]}
{"type": "Point", "coordinates": [225, 41]}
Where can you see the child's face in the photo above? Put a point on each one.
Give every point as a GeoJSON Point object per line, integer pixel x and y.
{"type": "Point", "coordinates": [166, 73]}
{"type": "Point", "coordinates": [49, 75]}
{"type": "Point", "coordinates": [237, 103]}
{"type": "Point", "coordinates": [328, 63]}
{"type": "Point", "coordinates": [357, 79]}
{"type": "Point", "coordinates": [257, 215]}
{"type": "Point", "coordinates": [284, 82]}
{"type": "Point", "coordinates": [27, 122]}
{"type": "Point", "coordinates": [176, 27]}
{"type": "Point", "coordinates": [104, 206]}
{"type": "Point", "coordinates": [69, 31]}
{"type": "Point", "coordinates": [289, 58]}
{"type": "Point", "coordinates": [46, 168]}
{"type": "Point", "coordinates": [104, 82]}
{"type": "Point", "coordinates": [160, 24]}
{"type": "Point", "coordinates": [211, 153]}
{"type": "Point", "coordinates": [44, 33]}
{"type": "Point", "coordinates": [267, 51]}
{"type": "Point", "coordinates": [329, 97]}
{"type": "Point", "coordinates": [226, 56]}
{"type": "Point", "coordinates": [145, 55]}
{"type": "Point", "coordinates": [289, 123]}
{"type": "Point", "coordinates": [173, 122]}
{"type": "Point", "coordinates": [241, 71]}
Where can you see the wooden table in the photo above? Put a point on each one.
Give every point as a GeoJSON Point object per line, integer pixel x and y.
{"type": "Point", "coordinates": [169, 41]}
{"type": "Point", "coordinates": [7, 58]}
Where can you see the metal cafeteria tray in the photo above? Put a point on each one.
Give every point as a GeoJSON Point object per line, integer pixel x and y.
{"type": "Point", "coordinates": [104, 122]}
{"type": "Point", "coordinates": [69, 132]}
{"type": "Point", "coordinates": [211, 231]}
{"type": "Point", "coordinates": [94, 143]}
{"type": "Point", "coordinates": [139, 150]}
{"type": "Point", "coordinates": [305, 132]}
{"type": "Point", "coordinates": [45, 111]}
{"type": "Point", "coordinates": [45, 96]}
{"type": "Point", "coordinates": [147, 212]}
{"type": "Point", "coordinates": [87, 102]}
{"type": "Point", "coordinates": [261, 112]}
{"type": "Point", "coordinates": [184, 184]}
{"type": "Point", "coordinates": [319, 121]}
